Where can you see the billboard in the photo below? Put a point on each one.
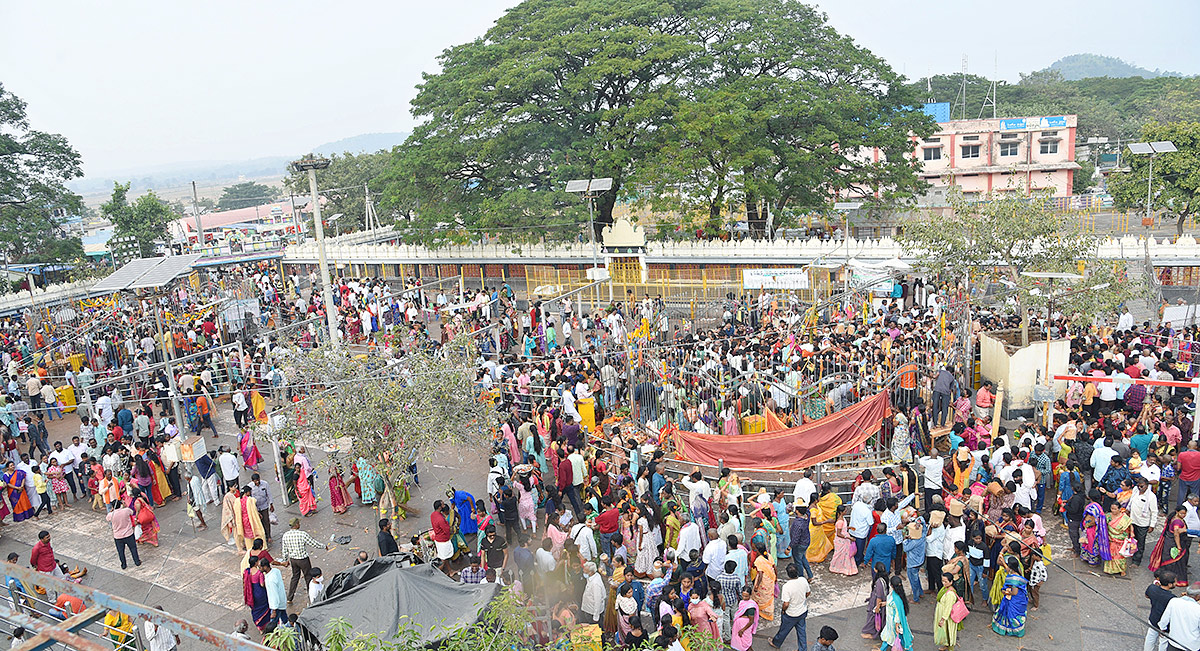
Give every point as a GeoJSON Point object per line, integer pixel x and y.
{"type": "Point", "coordinates": [779, 278]}
{"type": "Point", "coordinates": [1023, 124]}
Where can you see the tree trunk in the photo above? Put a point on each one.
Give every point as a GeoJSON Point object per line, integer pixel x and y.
{"type": "Point", "coordinates": [1179, 224]}
{"type": "Point", "coordinates": [756, 221]}
{"type": "Point", "coordinates": [604, 210]}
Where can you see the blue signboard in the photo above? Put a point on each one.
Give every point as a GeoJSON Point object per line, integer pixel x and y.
{"type": "Point", "coordinates": [939, 111]}
{"type": "Point", "coordinates": [1018, 124]}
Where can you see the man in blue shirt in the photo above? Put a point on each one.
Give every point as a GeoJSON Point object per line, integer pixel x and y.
{"type": "Point", "coordinates": [881, 548]}
{"type": "Point", "coordinates": [914, 552]}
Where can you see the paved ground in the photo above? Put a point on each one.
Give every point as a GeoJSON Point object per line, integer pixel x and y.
{"type": "Point", "coordinates": [195, 574]}
{"type": "Point", "coordinates": [1071, 616]}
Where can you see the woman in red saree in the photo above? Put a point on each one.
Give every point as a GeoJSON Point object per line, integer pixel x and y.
{"type": "Point", "coordinates": [308, 503]}
{"type": "Point", "coordinates": [144, 514]}
{"type": "Point", "coordinates": [339, 497]}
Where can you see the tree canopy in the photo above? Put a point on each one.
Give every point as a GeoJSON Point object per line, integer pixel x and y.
{"type": "Point", "coordinates": [391, 410]}
{"type": "Point", "coordinates": [708, 104]}
{"type": "Point", "coordinates": [1009, 235]}
{"type": "Point", "coordinates": [145, 219]}
{"type": "Point", "coordinates": [34, 170]}
{"type": "Point", "coordinates": [1175, 186]}
{"type": "Point", "coordinates": [246, 195]}
{"type": "Point", "coordinates": [343, 184]}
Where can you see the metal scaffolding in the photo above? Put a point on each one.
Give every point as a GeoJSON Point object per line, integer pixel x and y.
{"type": "Point", "coordinates": [86, 630]}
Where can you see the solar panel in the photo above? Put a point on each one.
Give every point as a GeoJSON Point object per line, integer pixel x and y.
{"type": "Point", "coordinates": [1163, 147]}
{"type": "Point", "coordinates": [580, 185]}
{"type": "Point", "coordinates": [128, 273]}
{"type": "Point", "coordinates": [600, 185]}
{"type": "Point", "coordinates": [168, 269]}
{"type": "Point", "coordinates": [1141, 148]}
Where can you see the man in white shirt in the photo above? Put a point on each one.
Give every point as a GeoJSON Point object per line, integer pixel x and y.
{"type": "Point", "coordinates": [698, 489]}
{"type": "Point", "coordinates": [714, 554]}
{"type": "Point", "coordinates": [66, 461]}
{"type": "Point", "coordinates": [160, 638]}
{"type": "Point", "coordinates": [77, 448]}
{"type": "Point", "coordinates": [932, 466]}
{"type": "Point", "coordinates": [1151, 471]}
{"type": "Point", "coordinates": [594, 594]}
{"type": "Point", "coordinates": [1126, 321]}
{"type": "Point", "coordinates": [861, 522]}
{"type": "Point", "coordinates": [543, 559]}
{"type": "Point", "coordinates": [1191, 516]}
{"type": "Point", "coordinates": [805, 487]}
{"type": "Point", "coordinates": [240, 408]}
{"type": "Point", "coordinates": [689, 541]}
{"type": "Point", "coordinates": [1102, 454]}
{"type": "Point", "coordinates": [1181, 620]}
{"type": "Point", "coordinates": [1143, 511]}
{"type": "Point", "coordinates": [230, 468]}
{"type": "Point", "coordinates": [585, 540]}
{"type": "Point", "coordinates": [794, 598]}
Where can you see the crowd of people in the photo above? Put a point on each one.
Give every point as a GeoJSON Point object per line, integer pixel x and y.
{"type": "Point", "coordinates": [585, 516]}
{"type": "Point", "coordinates": [957, 514]}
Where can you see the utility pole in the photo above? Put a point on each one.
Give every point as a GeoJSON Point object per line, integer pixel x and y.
{"type": "Point", "coordinates": [196, 214]}
{"type": "Point", "coordinates": [168, 344]}
{"type": "Point", "coordinates": [295, 216]}
{"type": "Point", "coordinates": [371, 219]}
{"type": "Point", "coordinates": [311, 165]}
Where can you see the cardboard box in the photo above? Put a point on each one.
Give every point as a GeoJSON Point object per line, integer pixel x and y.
{"type": "Point", "coordinates": [192, 448]}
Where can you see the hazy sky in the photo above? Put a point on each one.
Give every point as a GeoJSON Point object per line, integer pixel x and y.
{"type": "Point", "coordinates": [135, 85]}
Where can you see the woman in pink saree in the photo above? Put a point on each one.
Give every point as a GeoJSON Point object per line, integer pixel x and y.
{"type": "Point", "coordinates": [250, 454]}
{"type": "Point", "coordinates": [308, 503]}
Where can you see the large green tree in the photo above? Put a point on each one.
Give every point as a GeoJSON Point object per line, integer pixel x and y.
{"type": "Point", "coordinates": [145, 219]}
{"type": "Point", "coordinates": [1175, 187]}
{"type": "Point", "coordinates": [743, 102]}
{"type": "Point", "coordinates": [343, 185]}
{"type": "Point", "coordinates": [246, 195]}
{"type": "Point", "coordinates": [782, 112]}
{"type": "Point", "coordinates": [34, 170]}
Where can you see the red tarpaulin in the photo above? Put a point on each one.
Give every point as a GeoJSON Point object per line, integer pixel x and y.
{"type": "Point", "coordinates": [792, 448]}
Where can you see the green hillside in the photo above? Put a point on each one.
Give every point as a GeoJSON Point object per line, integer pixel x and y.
{"type": "Point", "coordinates": [1082, 66]}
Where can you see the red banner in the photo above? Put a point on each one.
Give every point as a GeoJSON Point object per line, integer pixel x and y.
{"type": "Point", "coordinates": [792, 448]}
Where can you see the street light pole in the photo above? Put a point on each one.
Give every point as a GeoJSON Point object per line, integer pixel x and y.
{"type": "Point", "coordinates": [595, 253]}
{"type": "Point", "coordinates": [311, 165]}
{"type": "Point", "coordinates": [1149, 187]}
{"type": "Point", "coordinates": [1153, 149]}
{"type": "Point", "coordinates": [590, 189]}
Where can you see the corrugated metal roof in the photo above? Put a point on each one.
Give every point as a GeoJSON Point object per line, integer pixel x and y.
{"type": "Point", "coordinates": [147, 273]}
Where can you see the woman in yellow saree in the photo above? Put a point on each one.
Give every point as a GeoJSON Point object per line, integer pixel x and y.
{"type": "Point", "coordinates": [764, 583]}
{"type": "Point", "coordinates": [823, 525]}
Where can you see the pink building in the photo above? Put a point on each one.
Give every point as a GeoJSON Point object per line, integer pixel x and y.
{"type": "Point", "coordinates": [1001, 155]}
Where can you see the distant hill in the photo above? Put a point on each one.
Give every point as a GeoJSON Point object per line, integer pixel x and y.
{"type": "Point", "coordinates": [172, 175]}
{"type": "Point", "coordinates": [367, 142]}
{"type": "Point", "coordinates": [1082, 66]}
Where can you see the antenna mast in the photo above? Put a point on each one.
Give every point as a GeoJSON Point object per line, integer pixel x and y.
{"type": "Point", "coordinates": [960, 102]}
{"type": "Point", "coordinates": [990, 99]}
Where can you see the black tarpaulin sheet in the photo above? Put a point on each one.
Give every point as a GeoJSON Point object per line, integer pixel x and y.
{"type": "Point", "coordinates": [376, 596]}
